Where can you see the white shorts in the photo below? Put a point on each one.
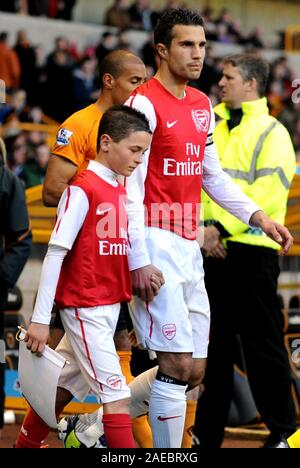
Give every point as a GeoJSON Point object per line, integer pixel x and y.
{"type": "Point", "coordinates": [88, 345]}
{"type": "Point", "coordinates": [178, 319]}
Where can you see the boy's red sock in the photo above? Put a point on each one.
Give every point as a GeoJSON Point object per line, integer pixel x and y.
{"type": "Point", "coordinates": [33, 431]}
{"type": "Point", "coordinates": [118, 431]}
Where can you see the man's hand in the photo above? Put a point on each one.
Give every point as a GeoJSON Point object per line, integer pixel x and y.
{"type": "Point", "coordinates": [274, 230]}
{"type": "Point", "coordinates": [211, 239]}
{"type": "Point", "coordinates": [133, 339]}
{"type": "Point", "coordinates": [218, 252]}
{"type": "Point", "coordinates": [36, 337]}
{"type": "Point", "coordinates": [146, 282]}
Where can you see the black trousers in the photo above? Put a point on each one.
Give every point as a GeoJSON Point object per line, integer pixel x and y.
{"type": "Point", "coordinates": [243, 296]}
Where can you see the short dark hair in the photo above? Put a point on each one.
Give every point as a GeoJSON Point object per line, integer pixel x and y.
{"type": "Point", "coordinates": [251, 66]}
{"type": "Point", "coordinates": [113, 63]}
{"type": "Point", "coordinates": [163, 31]}
{"type": "Point", "coordinates": [120, 121]}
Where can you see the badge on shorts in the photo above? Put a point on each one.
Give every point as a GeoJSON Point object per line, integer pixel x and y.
{"type": "Point", "coordinates": [63, 137]}
{"type": "Point", "coordinates": [169, 331]}
{"type": "Point", "coordinates": [114, 381]}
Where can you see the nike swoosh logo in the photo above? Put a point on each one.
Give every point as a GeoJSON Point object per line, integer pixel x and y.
{"type": "Point", "coordinates": [160, 418]}
{"type": "Point", "coordinates": [102, 212]}
{"type": "Point", "coordinates": [171, 124]}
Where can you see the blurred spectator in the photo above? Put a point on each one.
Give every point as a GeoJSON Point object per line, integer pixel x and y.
{"type": "Point", "coordinates": [148, 53]}
{"type": "Point", "coordinates": [210, 27]}
{"type": "Point", "coordinates": [37, 7]}
{"type": "Point", "coordinates": [33, 140]}
{"type": "Point", "coordinates": [61, 44]}
{"type": "Point", "coordinates": [124, 42]}
{"type": "Point", "coordinates": [275, 98]}
{"type": "Point", "coordinates": [282, 74]}
{"type": "Point", "coordinates": [170, 4]}
{"type": "Point", "coordinates": [254, 39]}
{"type": "Point", "coordinates": [15, 244]}
{"type": "Point", "coordinates": [16, 153]}
{"type": "Point", "coordinates": [85, 91]}
{"type": "Point", "coordinates": [140, 15]}
{"type": "Point", "coordinates": [61, 9]}
{"type": "Point", "coordinates": [34, 170]}
{"type": "Point", "coordinates": [210, 74]}
{"type": "Point", "coordinates": [235, 31]}
{"type": "Point", "coordinates": [58, 97]}
{"type": "Point", "coordinates": [222, 34]}
{"type": "Point", "coordinates": [117, 15]}
{"type": "Point", "coordinates": [10, 70]}
{"type": "Point", "coordinates": [156, 14]}
{"type": "Point", "coordinates": [13, 110]}
{"type": "Point", "coordinates": [280, 85]}
{"type": "Point", "coordinates": [289, 117]}
{"type": "Point", "coordinates": [29, 73]}
{"type": "Point", "coordinates": [107, 44]}
{"type": "Point", "coordinates": [228, 30]}
{"type": "Point", "coordinates": [9, 6]}
{"type": "Point", "coordinates": [214, 95]}
{"type": "Point", "coordinates": [35, 115]}
{"type": "Point", "coordinates": [296, 139]}
{"type": "Point", "coordinates": [224, 19]}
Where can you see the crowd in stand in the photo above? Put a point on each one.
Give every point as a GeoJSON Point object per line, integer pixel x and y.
{"type": "Point", "coordinates": [139, 15]}
{"type": "Point", "coordinates": [60, 9]}
{"type": "Point", "coordinates": [66, 80]}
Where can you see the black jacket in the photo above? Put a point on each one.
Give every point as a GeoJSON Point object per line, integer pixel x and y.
{"type": "Point", "coordinates": [15, 235]}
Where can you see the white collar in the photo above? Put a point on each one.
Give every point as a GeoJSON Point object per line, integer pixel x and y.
{"type": "Point", "coordinates": [103, 172]}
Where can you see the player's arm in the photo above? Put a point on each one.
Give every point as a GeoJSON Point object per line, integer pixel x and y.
{"type": "Point", "coordinates": [71, 214]}
{"type": "Point", "coordinates": [38, 331]}
{"type": "Point", "coordinates": [59, 173]}
{"type": "Point", "coordinates": [222, 189]}
{"type": "Point", "coordinates": [142, 271]}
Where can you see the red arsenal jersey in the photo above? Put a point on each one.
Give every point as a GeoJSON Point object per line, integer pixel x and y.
{"type": "Point", "coordinates": [174, 174]}
{"type": "Point", "coordinates": [95, 270]}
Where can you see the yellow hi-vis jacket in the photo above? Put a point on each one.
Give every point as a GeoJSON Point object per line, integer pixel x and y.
{"type": "Point", "coordinates": [258, 154]}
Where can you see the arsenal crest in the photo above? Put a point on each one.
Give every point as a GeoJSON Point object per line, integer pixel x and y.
{"type": "Point", "coordinates": [201, 120]}
{"type": "Point", "coordinates": [114, 381]}
{"type": "Point", "coordinates": [169, 331]}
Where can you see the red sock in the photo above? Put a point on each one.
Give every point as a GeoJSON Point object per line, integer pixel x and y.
{"type": "Point", "coordinates": [118, 431]}
{"type": "Point", "coordinates": [33, 431]}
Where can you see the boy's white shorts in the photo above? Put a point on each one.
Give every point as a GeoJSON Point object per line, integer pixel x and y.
{"type": "Point", "coordinates": [88, 345]}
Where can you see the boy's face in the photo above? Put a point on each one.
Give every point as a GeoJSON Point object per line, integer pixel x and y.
{"type": "Point", "coordinates": [125, 156]}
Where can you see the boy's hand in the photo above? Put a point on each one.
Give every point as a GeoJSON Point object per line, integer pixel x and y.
{"type": "Point", "coordinates": [36, 337]}
{"type": "Point", "coordinates": [144, 279]}
{"type": "Point", "coordinates": [156, 282]}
